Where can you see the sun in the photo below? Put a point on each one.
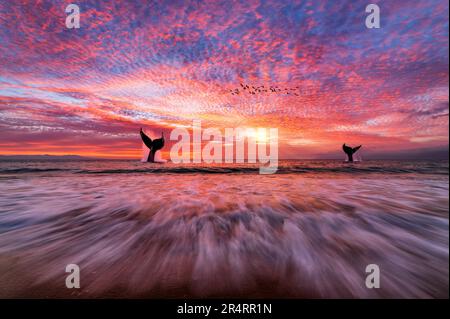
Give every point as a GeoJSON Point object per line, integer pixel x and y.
{"type": "Point", "coordinates": [259, 135]}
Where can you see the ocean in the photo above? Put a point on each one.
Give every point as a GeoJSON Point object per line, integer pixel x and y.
{"type": "Point", "coordinates": [143, 230]}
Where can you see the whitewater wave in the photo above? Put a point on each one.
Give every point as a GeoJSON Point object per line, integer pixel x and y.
{"type": "Point", "coordinates": [204, 235]}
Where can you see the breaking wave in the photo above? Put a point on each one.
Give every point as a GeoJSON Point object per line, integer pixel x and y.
{"type": "Point", "coordinates": [285, 167]}
{"type": "Point", "coordinates": [239, 235]}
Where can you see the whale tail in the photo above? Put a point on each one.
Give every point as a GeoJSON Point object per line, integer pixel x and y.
{"type": "Point", "coordinates": [147, 140]}
{"type": "Point", "coordinates": [350, 151]}
{"type": "Point", "coordinates": [153, 146]}
{"type": "Point", "coordinates": [150, 154]}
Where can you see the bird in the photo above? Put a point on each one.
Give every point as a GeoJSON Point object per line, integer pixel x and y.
{"type": "Point", "coordinates": [253, 90]}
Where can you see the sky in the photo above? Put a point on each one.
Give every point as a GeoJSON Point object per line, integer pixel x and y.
{"type": "Point", "coordinates": [162, 64]}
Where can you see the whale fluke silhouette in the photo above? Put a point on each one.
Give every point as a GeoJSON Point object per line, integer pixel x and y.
{"type": "Point", "coordinates": [154, 145]}
{"type": "Point", "coordinates": [350, 151]}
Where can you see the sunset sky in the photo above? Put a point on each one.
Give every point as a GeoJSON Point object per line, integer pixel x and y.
{"type": "Point", "coordinates": [161, 64]}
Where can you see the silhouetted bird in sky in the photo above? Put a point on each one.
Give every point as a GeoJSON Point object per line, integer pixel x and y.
{"type": "Point", "coordinates": [253, 90]}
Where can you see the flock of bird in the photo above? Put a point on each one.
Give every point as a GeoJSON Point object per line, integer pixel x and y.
{"type": "Point", "coordinates": [262, 89]}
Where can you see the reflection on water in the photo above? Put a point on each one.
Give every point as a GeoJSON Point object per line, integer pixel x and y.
{"type": "Point", "coordinates": [149, 230]}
